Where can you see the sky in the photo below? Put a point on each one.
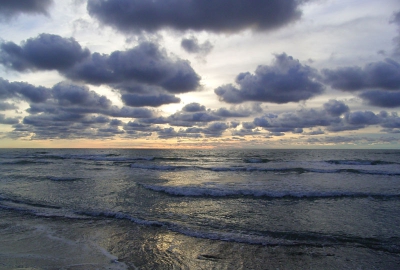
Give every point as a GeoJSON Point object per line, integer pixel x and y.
{"type": "Point", "coordinates": [200, 74]}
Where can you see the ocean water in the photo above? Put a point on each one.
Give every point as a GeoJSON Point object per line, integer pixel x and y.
{"type": "Point", "coordinates": [199, 209]}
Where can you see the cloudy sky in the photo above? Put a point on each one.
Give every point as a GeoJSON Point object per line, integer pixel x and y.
{"type": "Point", "coordinates": [199, 73]}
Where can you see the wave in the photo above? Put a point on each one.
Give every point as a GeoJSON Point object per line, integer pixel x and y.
{"type": "Point", "coordinates": [25, 162]}
{"type": "Point", "coordinates": [256, 160]}
{"type": "Point", "coordinates": [215, 192]}
{"type": "Point", "coordinates": [159, 167]}
{"type": "Point", "coordinates": [360, 162]}
{"type": "Point", "coordinates": [64, 179]}
{"type": "Point", "coordinates": [36, 209]}
{"type": "Point", "coordinates": [265, 238]}
{"type": "Point", "coordinates": [262, 237]}
{"type": "Point", "coordinates": [176, 159]}
{"type": "Point", "coordinates": [298, 170]}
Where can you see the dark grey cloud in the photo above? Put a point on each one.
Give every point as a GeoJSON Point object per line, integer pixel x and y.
{"type": "Point", "coordinates": [45, 52]}
{"type": "Point", "coordinates": [286, 80]}
{"type": "Point", "coordinates": [238, 111]}
{"type": "Point", "coordinates": [66, 126]}
{"type": "Point", "coordinates": [391, 122]}
{"type": "Point", "coordinates": [67, 94]}
{"type": "Point", "coordinates": [168, 133]}
{"type": "Point", "coordinates": [381, 98]}
{"type": "Point", "coordinates": [383, 75]}
{"type": "Point", "coordinates": [23, 91]}
{"type": "Point", "coordinates": [146, 63]}
{"type": "Point", "coordinates": [8, 120]}
{"type": "Point", "coordinates": [148, 100]}
{"type": "Point", "coordinates": [189, 119]}
{"type": "Point", "coordinates": [315, 132]}
{"type": "Point", "coordinates": [80, 100]}
{"type": "Point", "coordinates": [194, 114]}
{"type": "Point", "coordinates": [192, 45]}
{"type": "Point", "coordinates": [303, 118]}
{"type": "Point", "coordinates": [377, 83]}
{"type": "Point", "coordinates": [352, 140]}
{"type": "Point", "coordinates": [216, 16]}
{"type": "Point", "coordinates": [362, 119]}
{"type": "Point", "coordinates": [365, 118]}
{"type": "Point", "coordinates": [73, 111]}
{"type": "Point", "coordinates": [140, 126]}
{"type": "Point", "coordinates": [224, 112]}
{"type": "Point", "coordinates": [194, 107]}
{"type": "Point", "coordinates": [215, 129]}
{"type": "Point", "coordinates": [12, 8]}
{"type": "Point", "coordinates": [5, 106]}
{"type": "Point", "coordinates": [198, 120]}
{"type": "Point", "coordinates": [335, 107]}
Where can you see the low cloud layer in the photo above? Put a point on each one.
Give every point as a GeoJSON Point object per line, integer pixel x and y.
{"type": "Point", "coordinates": [215, 16]}
{"type": "Point", "coordinates": [335, 116]}
{"type": "Point", "coordinates": [65, 111]}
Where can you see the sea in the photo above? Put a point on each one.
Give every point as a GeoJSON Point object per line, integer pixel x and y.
{"type": "Point", "coordinates": [199, 209]}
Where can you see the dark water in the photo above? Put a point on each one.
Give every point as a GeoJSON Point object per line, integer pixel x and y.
{"type": "Point", "coordinates": [201, 209]}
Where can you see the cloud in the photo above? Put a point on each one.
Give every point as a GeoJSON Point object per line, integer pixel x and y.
{"type": "Point", "coordinates": [67, 94]}
{"type": "Point", "coordinates": [291, 121]}
{"type": "Point", "coordinates": [286, 80]}
{"type": "Point", "coordinates": [192, 45]}
{"type": "Point", "coordinates": [238, 111]}
{"type": "Point", "coordinates": [73, 111]}
{"type": "Point", "coordinates": [65, 126]}
{"type": "Point", "coordinates": [45, 52]}
{"type": "Point", "coordinates": [396, 40]}
{"type": "Point", "coordinates": [24, 91]}
{"type": "Point", "coordinates": [7, 120]}
{"type": "Point", "coordinates": [5, 106]}
{"type": "Point", "coordinates": [215, 16]}
{"type": "Point", "coordinates": [381, 98]}
{"type": "Point", "coordinates": [148, 100]}
{"type": "Point", "coordinates": [215, 129]}
{"type": "Point", "coordinates": [194, 107]}
{"type": "Point", "coordinates": [384, 75]}
{"type": "Point", "coordinates": [12, 8]}
{"type": "Point", "coordinates": [362, 118]}
{"type": "Point", "coordinates": [334, 116]}
{"type": "Point", "coordinates": [144, 64]}
{"type": "Point", "coordinates": [336, 108]}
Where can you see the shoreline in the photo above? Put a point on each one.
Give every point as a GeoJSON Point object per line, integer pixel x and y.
{"type": "Point", "coordinates": [29, 242]}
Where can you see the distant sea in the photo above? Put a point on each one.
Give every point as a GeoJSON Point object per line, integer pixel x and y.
{"type": "Point", "coordinates": [199, 209]}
